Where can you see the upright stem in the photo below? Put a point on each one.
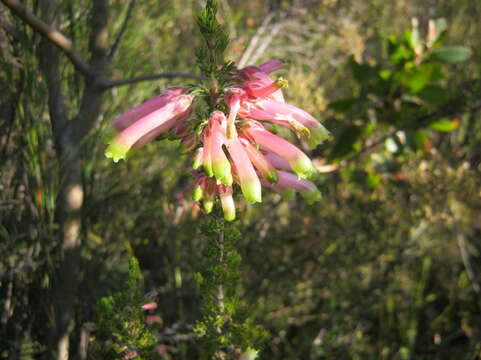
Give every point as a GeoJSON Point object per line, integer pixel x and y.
{"type": "Point", "coordinates": [220, 286]}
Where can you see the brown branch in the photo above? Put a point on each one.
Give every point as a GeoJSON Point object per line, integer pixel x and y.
{"type": "Point", "coordinates": [65, 45]}
{"type": "Point", "coordinates": [108, 84]}
{"type": "Point", "coordinates": [121, 32]}
{"type": "Point", "coordinates": [50, 33]}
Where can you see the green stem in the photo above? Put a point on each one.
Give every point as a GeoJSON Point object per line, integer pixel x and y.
{"type": "Point", "coordinates": [220, 286]}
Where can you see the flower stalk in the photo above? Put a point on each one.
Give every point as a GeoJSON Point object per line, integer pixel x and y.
{"type": "Point", "coordinates": [225, 122]}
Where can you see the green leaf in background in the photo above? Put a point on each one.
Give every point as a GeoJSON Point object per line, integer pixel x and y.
{"type": "Point", "coordinates": [444, 125]}
{"type": "Point", "coordinates": [385, 74]}
{"type": "Point", "coordinates": [451, 54]}
{"type": "Point", "coordinates": [419, 77]}
{"type": "Point", "coordinates": [362, 72]}
{"type": "Point", "coordinates": [400, 50]}
{"type": "Point", "coordinates": [346, 142]}
{"type": "Point", "coordinates": [343, 105]}
{"type": "Point", "coordinates": [364, 178]}
{"type": "Point", "coordinates": [433, 94]}
{"type": "Point", "coordinates": [415, 139]}
{"type": "Point", "coordinates": [412, 38]}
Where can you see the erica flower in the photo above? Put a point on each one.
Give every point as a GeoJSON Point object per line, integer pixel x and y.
{"type": "Point", "coordinates": [149, 306]}
{"type": "Point", "coordinates": [221, 167]}
{"type": "Point", "coordinates": [248, 180]}
{"type": "Point", "coordinates": [288, 115]}
{"type": "Point", "coordinates": [147, 121]}
{"type": "Point", "coordinates": [227, 201]}
{"type": "Point", "coordinates": [306, 188]}
{"type": "Point", "coordinates": [232, 150]}
{"type": "Point", "coordinates": [258, 83]}
{"type": "Point", "coordinates": [299, 162]}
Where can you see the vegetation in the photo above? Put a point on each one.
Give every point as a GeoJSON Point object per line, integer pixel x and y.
{"type": "Point", "coordinates": [385, 266]}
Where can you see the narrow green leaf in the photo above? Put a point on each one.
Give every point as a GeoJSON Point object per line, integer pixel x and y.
{"type": "Point", "coordinates": [444, 125]}
{"type": "Point", "coordinates": [451, 54]}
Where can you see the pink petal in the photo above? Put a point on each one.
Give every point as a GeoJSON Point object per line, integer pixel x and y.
{"type": "Point", "coordinates": [149, 306]}
{"type": "Point", "coordinates": [263, 87]}
{"type": "Point", "coordinates": [151, 125]}
{"type": "Point", "coordinates": [227, 202]}
{"type": "Point", "coordinates": [277, 161]}
{"type": "Point", "coordinates": [250, 185]}
{"type": "Point", "coordinates": [299, 161]}
{"type": "Point", "coordinates": [131, 116]}
{"type": "Point", "coordinates": [220, 164]}
{"type": "Point", "coordinates": [233, 100]}
{"type": "Point", "coordinates": [271, 66]}
{"type": "Point", "coordinates": [260, 162]}
{"type": "Point", "coordinates": [207, 161]}
{"type": "Point", "coordinates": [160, 130]}
{"type": "Point", "coordinates": [288, 180]}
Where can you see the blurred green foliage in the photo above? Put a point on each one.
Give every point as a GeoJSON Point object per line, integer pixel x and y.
{"type": "Point", "coordinates": [121, 328]}
{"type": "Point", "coordinates": [387, 266]}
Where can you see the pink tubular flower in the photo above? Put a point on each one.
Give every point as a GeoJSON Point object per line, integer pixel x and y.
{"type": "Point", "coordinates": [260, 162]}
{"type": "Point", "coordinates": [252, 72]}
{"type": "Point", "coordinates": [277, 161]}
{"type": "Point", "coordinates": [197, 158]}
{"type": "Point", "coordinates": [249, 182]}
{"type": "Point", "coordinates": [200, 187]}
{"type": "Point", "coordinates": [208, 196]}
{"type": "Point", "coordinates": [233, 100]}
{"type": "Point", "coordinates": [160, 130]}
{"type": "Point", "coordinates": [227, 201]}
{"type": "Point", "coordinates": [287, 180]}
{"type": "Point", "coordinates": [155, 122]}
{"type": "Point", "coordinates": [271, 66]}
{"type": "Point", "coordinates": [229, 149]}
{"type": "Point", "coordinates": [300, 121]}
{"type": "Point", "coordinates": [207, 153]}
{"type": "Point", "coordinates": [298, 161]}
{"type": "Point", "coordinates": [258, 83]}
{"type": "Point", "coordinates": [131, 116]}
{"type": "Point", "coordinates": [220, 164]}
{"type": "Point", "coordinates": [263, 88]}
{"type": "Point", "coordinates": [149, 306]}
{"type": "Point", "coordinates": [152, 319]}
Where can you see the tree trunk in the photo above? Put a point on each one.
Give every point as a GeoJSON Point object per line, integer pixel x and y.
{"type": "Point", "coordinates": [69, 136]}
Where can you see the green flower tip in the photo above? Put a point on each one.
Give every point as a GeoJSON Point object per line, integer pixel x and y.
{"type": "Point", "coordinates": [208, 205]}
{"type": "Point", "coordinates": [252, 191]}
{"type": "Point", "coordinates": [222, 172]}
{"type": "Point", "coordinates": [229, 215]}
{"type": "Point", "coordinates": [312, 196]}
{"type": "Point", "coordinates": [319, 134]}
{"type": "Point", "coordinates": [196, 163]}
{"type": "Point", "coordinates": [304, 168]}
{"type": "Point", "coordinates": [116, 152]}
{"type": "Point", "coordinates": [197, 193]}
{"type": "Point", "coordinates": [208, 170]}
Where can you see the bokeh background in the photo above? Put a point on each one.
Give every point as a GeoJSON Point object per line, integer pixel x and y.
{"type": "Point", "coordinates": [386, 266]}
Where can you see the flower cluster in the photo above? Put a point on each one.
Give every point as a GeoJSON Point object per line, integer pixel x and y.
{"type": "Point", "coordinates": [232, 147]}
